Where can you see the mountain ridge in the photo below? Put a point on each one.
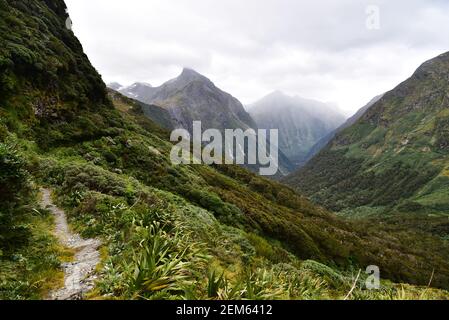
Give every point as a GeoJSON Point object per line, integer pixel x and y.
{"type": "Point", "coordinates": [397, 151]}
{"type": "Point", "coordinates": [322, 143]}
{"type": "Point", "coordinates": [171, 95]}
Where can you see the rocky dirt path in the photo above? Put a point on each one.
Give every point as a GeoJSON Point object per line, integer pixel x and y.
{"type": "Point", "coordinates": [79, 275]}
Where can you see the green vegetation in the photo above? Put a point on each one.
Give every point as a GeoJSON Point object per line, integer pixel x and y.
{"type": "Point", "coordinates": [169, 232]}
{"type": "Point", "coordinates": [338, 182]}
{"type": "Point", "coordinates": [392, 164]}
{"type": "Point", "coordinates": [14, 192]}
{"type": "Point", "coordinates": [29, 255]}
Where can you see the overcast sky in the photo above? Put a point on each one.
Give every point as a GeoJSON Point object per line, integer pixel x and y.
{"type": "Point", "coordinates": [319, 49]}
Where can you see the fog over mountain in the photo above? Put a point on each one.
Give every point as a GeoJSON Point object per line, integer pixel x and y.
{"type": "Point", "coordinates": [325, 140]}
{"type": "Point", "coordinates": [193, 97]}
{"type": "Point", "coordinates": [301, 122]}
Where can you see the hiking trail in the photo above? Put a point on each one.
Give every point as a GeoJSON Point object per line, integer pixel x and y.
{"type": "Point", "coordinates": [79, 275]}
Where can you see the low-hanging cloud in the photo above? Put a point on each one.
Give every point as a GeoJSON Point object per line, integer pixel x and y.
{"type": "Point", "coordinates": [320, 49]}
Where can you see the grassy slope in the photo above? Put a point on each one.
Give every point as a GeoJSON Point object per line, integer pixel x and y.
{"type": "Point", "coordinates": [111, 171]}
{"type": "Point", "coordinates": [395, 159]}
{"type": "Point", "coordinates": [242, 222]}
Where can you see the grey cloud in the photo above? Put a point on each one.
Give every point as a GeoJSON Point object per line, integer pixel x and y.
{"type": "Point", "coordinates": [318, 49]}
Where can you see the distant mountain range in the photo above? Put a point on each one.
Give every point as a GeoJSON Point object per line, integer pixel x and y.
{"type": "Point", "coordinates": [301, 122]}
{"type": "Point", "coordinates": [189, 97]}
{"type": "Point", "coordinates": [192, 97]}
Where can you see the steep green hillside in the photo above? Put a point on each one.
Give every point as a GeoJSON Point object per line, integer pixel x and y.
{"type": "Point", "coordinates": [47, 84]}
{"type": "Point", "coordinates": [169, 232]}
{"type": "Point", "coordinates": [395, 156]}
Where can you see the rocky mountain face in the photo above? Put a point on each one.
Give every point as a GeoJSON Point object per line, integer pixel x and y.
{"type": "Point", "coordinates": [395, 156]}
{"type": "Point", "coordinates": [140, 91]}
{"type": "Point", "coordinates": [327, 138]}
{"type": "Point", "coordinates": [115, 86]}
{"type": "Point", "coordinates": [301, 122]}
{"type": "Point", "coordinates": [192, 97]}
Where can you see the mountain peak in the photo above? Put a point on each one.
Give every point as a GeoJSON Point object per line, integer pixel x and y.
{"type": "Point", "coordinates": [436, 66]}
{"type": "Point", "coordinates": [115, 86]}
{"type": "Point", "coordinates": [141, 84]}
{"type": "Point", "coordinates": [277, 94]}
{"type": "Point", "coordinates": [187, 70]}
{"type": "Point", "coordinates": [276, 97]}
{"type": "Point", "coordinates": [188, 74]}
